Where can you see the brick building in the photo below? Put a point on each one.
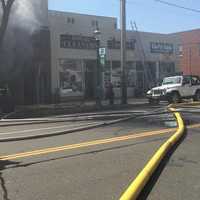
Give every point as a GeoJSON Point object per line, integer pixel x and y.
{"type": "Point", "coordinates": [189, 51]}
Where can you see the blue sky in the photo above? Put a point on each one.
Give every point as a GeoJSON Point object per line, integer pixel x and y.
{"type": "Point", "coordinates": [149, 15]}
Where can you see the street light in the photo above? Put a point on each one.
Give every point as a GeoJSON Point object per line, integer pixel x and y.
{"type": "Point", "coordinates": [98, 72]}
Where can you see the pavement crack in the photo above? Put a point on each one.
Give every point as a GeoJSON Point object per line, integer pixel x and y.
{"type": "Point", "coordinates": [3, 165]}
{"type": "Point", "coordinates": [3, 186]}
{"type": "Point", "coordinates": [185, 160]}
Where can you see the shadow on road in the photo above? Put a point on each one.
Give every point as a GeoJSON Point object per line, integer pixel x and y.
{"type": "Point", "coordinates": [154, 178]}
{"type": "Point", "coordinates": [3, 166]}
{"type": "Point", "coordinates": [87, 153]}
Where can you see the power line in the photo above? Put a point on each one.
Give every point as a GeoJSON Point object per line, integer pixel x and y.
{"type": "Point", "coordinates": [178, 6]}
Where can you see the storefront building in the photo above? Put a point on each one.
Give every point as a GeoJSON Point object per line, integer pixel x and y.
{"type": "Point", "coordinates": [150, 56]}
{"type": "Point", "coordinates": [189, 52]}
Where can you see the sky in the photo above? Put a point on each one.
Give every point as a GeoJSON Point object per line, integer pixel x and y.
{"type": "Point", "coordinates": [149, 15]}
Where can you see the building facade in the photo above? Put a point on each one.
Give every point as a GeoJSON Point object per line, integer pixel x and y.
{"type": "Point", "coordinates": [65, 51]}
{"type": "Point", "coordinates": [189, 52]}
{"type": "Point", "coordinates": [150, 56]}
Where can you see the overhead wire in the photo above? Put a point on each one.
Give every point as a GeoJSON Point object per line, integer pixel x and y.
{"type": "Point", "coordinates": [178, 6]}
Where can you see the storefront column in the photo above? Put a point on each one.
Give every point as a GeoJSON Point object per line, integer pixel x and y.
{"type": "Point", "coordinates": [157, 72]}
{"type": "Point", "coordinates": [83, 75]}
{"type": "Point", "coordinates": [111, 78]}
{"type": "Point", "coordinates": [56, 75]}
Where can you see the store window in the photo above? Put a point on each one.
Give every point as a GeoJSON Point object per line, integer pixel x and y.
{"type": "Point", "coordinates": [71, 77]}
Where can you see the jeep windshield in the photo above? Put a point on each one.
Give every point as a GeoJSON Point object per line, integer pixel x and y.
{"type": "Point", "coordinates": [171, 80]}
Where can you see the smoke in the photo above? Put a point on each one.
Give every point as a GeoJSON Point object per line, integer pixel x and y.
{"type": "Point", "coordinates": [26, 14]}
{"type": "Point", "coordinates": [25, 19]}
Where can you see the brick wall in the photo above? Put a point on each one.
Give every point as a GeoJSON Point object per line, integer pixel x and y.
{"type": "Point", "coordinates": [190, 59]}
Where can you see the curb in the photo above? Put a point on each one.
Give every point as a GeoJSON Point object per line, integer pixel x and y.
{"type": "Point", "coordinates": [97, 125]}
{"type": "Point", "coordinates": [29, 123]}
{"type": "Point", "coordinates": [42, 112]}
{"type": "Point", "coordinates": [57, 120]}
{"type": "Point", "coordinates": [18, 122]}
{"type": "Point", "coordinates": [143, 177]}
{"type": "Point", "coordinates": [30, 137]}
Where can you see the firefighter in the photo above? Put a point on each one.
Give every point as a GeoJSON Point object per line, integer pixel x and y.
{"type": "Point", "coordinates": [110, 93]}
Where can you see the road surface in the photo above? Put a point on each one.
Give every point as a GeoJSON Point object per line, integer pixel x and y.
{"type": "Point", "coordinates": [181, 177]}
{"type": "Point", "coordinates": [97, 164]}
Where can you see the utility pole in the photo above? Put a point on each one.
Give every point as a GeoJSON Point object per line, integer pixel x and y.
{"type": "Point", "coordinates": [123, 52]}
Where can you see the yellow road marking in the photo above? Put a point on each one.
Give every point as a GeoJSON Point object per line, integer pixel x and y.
{"type": "Point", "coordinates": [90, 143]}
{"type": "Point", "coordinates": [86, 144]}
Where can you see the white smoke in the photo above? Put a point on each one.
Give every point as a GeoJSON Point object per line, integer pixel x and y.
{"type": "Point", "coordinates": [26, 17]}
{"type": "Point", "coordinates": [25, 14]}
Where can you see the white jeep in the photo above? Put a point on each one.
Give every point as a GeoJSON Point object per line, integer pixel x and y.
{"type": "Point", "coordinates": [176, 88]}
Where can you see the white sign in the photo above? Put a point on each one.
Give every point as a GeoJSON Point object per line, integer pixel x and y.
{"type": "Point", "coordinates": [102, 51]}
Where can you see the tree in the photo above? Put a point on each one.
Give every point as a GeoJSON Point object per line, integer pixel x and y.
{"type": "Point", "coordinates": [6, 6]}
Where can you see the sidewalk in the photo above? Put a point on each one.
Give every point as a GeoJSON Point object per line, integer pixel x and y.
{"type": "Point", "coordinates": [73, 107]}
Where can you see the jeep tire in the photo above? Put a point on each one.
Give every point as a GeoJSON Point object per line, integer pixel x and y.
{"type": "Point", "coordinates": [154, 101]}
{"type": "Point", "coordinates": [174, 98]}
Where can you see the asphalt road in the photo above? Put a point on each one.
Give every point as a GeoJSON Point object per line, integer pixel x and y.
{"type": "Point", "coordinates": [18, 128]}
{"type": "Point", "coordinates": [95, 164]}
{"type": "Point", "coordinates": [180, 179]}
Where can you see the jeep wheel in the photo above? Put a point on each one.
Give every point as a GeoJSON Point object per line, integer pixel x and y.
{"type": "Point", "coordinates": [154, 101]}
{"type": "Point", "coordinates": [197, 96]}
{"type": "Point", "coordinates": [174, 98]}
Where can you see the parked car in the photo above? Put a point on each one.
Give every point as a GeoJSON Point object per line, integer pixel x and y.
{"type": "Point", "coordinates": [176, 88]}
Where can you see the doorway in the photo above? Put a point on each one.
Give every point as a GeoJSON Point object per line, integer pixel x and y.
{"type": "Point", "coordinates": [90, 79]}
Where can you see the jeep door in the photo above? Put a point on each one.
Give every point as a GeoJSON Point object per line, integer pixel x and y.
{"type": "Point", "coordinates": [195, 82]}
{"type": "Point", "coordinates": [186, 89]}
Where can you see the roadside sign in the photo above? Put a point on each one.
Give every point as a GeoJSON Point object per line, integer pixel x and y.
{"type": "Point", "coordinates": [102, 52]}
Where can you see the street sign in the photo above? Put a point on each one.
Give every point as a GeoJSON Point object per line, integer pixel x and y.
{"type": "Point", "coordinates": [102, 52]}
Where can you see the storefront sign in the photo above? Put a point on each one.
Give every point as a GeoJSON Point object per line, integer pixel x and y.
{"type": "Point", "coordinates": [159, 47]}
{"type": "Point", "coordinates": [115, 44]}
{"type": "Point", "coordinates": [77, 42]}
